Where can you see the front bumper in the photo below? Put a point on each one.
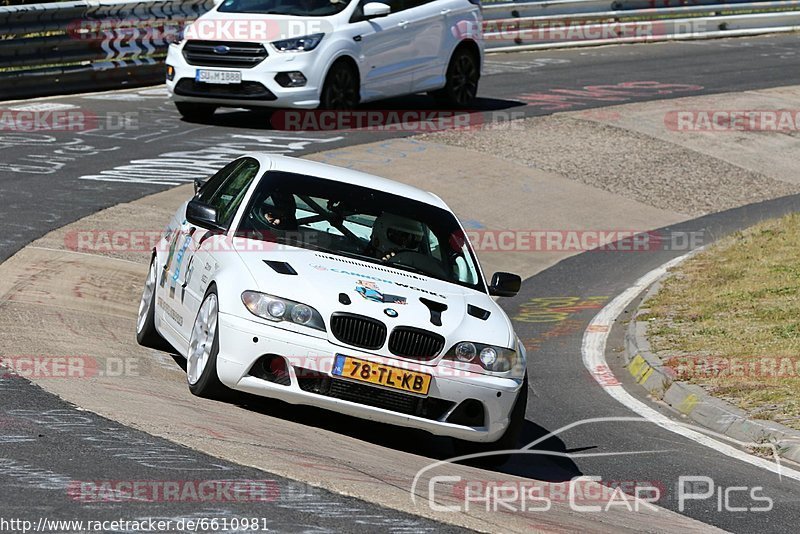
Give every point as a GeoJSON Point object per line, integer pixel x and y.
{"type": "Point", "coordinates": [239, 352]}
{"type": "Point", "coordinates": [259, 88]}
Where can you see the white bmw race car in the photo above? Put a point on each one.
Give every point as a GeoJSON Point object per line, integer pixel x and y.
{"type": "Point", "coordinates": [323, 286]}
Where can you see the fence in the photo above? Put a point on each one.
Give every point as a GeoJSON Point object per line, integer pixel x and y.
{"type": "Point", "coordinates": [93, 45]}
{"type": "Point", "coordinates": [565, 23]}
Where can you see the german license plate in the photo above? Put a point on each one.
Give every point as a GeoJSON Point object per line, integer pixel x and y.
{"type": "Point", "coordinates": [218, 76]}
{"type": "Point", "coordinates": [382, 375]}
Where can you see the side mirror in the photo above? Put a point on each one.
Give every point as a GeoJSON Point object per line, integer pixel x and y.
{"type": "Point", "coordinates": [505, 285]}
{"type": "Point", "coordinates": [202, 215]}
{"type": "Point", "coordinates": [376, 9]}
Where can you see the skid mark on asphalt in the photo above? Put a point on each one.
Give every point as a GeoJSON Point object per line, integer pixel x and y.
{"type": "Point", "coordinates": [566, 99]}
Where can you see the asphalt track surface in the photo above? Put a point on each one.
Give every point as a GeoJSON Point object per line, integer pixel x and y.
{"type": "Point", "coordinates": [43, 186]}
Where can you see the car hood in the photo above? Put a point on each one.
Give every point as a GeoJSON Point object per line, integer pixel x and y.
{"type": "Point", "coordinates": [395, 297]}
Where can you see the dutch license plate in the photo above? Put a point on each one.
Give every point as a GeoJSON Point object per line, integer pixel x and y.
{"type": "Point", "coordinates": [382, 375]}
{"type": "Point", "coordinates": [218, 76]}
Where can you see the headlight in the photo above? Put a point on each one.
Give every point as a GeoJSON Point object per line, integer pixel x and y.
{"type": "Point", "coordinates": [488, 357]}
{"type": "Point", "coordinates": [301, 314]}
{"type": "Point", "coordinates": [465, 352]}
{"type": "Point", "coordinates": [298, 44]}
{"type": "Point", "coordinates": [278, 309]}
{"type": "Point", "coordinates": [491, 358]}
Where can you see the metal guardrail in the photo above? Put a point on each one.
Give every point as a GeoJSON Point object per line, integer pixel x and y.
{"type": "Point", "coordinates": [88, 45]}
{"type": "Point", "coordinates": [569, 23]}
{"type": "Point", "coordinates": [103, 44]}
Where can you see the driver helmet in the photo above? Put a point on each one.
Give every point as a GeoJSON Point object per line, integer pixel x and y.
{"type": "Point", "coordinates": [393, 232]}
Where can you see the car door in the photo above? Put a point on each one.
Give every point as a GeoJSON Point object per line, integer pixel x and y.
{"type": "Point", "coordinates": [386, 51]}
{"type": "Point", "coordinates": [427, 19]}
{"type": "Point", "coordinates": [170, 292]}
{"type": "Point", "coordinates": [196, 255]}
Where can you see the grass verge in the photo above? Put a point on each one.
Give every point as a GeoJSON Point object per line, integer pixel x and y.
{"type": "Point", "coordinates": [729, 320]}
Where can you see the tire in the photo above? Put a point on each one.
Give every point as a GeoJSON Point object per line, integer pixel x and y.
{"type": "Point", "coordinates": [463, 75]}
{"type": "Point", "coordinates": [341, 88]}
{"type": "Point", "coordinates": [195, 112]}
{"type": "Point", "coordinates": [201, 358]}
{"type": "Point", "coordinates": [146, 333]}
{"type": "Point", "coordinates": [509, 439]}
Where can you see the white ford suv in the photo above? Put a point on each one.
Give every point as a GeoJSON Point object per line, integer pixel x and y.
{"type": "Point", "coordinates": [330, 54]}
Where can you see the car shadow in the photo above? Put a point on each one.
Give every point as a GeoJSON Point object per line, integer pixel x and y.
{"type": "Point", "coordinates": [396, 115]}
{"type": "Point", "coordinates": [552, 465]}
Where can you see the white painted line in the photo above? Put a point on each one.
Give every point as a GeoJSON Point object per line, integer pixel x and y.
{"type": "Point", "coordinates": [594, 348]}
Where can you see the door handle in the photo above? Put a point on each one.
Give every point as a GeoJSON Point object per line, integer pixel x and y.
{"type": "Point", "coordinates": [445, 12]}
{"type": "Point", "coordinates": [357, 38]}
{"type": "Point", "coordinates": [403, 23]}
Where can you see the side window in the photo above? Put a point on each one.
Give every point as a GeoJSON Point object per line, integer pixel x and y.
{"type": "Point", "coordinates": [228, 197]}
{"type": "Point", "coordinates": [395, 5]}
{"type": "Point", "coordinates": [214, 183]}
{"type": "Point", "coordinates": [408, 4]}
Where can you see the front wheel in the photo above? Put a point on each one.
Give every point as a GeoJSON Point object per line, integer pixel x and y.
{"type": "Point", "coordinates": [508, 441]}
{"type": "Point", "coordinates": [195, 112]}
{"type": "Point", "coordinates": [201, 359]}
{"type": "Point", "coordinates": [463, 74]}
{"type": "Point", "coordinates": [341, 88]}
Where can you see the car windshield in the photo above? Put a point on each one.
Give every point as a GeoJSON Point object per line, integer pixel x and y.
{"type": "Point", "coordinates": [299, 8]}
{"type": "Point", "coordinates": [362, 223]}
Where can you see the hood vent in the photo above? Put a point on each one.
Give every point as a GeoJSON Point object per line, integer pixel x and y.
{"type": "Point", "coordinates": [480, 313]}
{"type": "Point", "coordinates": [281, 267]}
{"type": "Point", "coordinates": [436, 309]}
